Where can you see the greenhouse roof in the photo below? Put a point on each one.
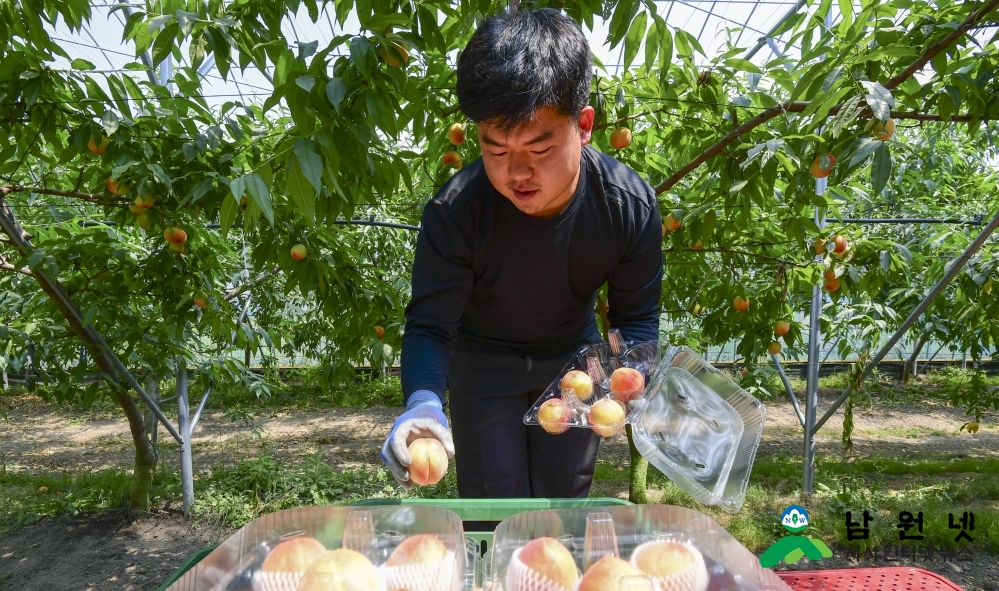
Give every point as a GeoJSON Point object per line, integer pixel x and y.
{"type": "Point", "coordinates": [715, 23]}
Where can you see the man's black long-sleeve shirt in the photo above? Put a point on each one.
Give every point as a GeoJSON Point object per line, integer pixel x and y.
{"type": "Point", "coordinates": [489, 277]}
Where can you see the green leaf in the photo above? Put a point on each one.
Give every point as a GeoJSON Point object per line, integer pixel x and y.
{"type": "Point", "coordinates": [305, 82]}
{"type": "Point", "coordinates": [310, 163]}
{"type": "Point", "coordinates": [300, 190]}
{"type": "Point", "coordinates": [879, 99]}
{"type": "Point", "coordinates": [634, 38]}
{"type": "Point", "coordinates": [260, 195]}
{"type": "Point", "coordinates": [336, 89]}
{"type": "Point", "coordinates": [847, 113]}
{"type": "Point", "coordinates": [185, 21]}
{"type": "Point", "coordinates": [743, 65]}
{"type": "Point", "coordinates": [165, 42]}
{"type": "Point", "coordinates": [158, 21]}
{"type": "Point", "coordinates": [229, 210]}
{"type": "Point", "coordinates": [109, 121]}
{"type": "Point", "coordinates": [81, 64]}
{"type": "Point", "coordinates": [880, 168]}
{"type": "Point", "coordinates": [652, 44]}
{"type": "Point", "coordinates": [710, 219]}
{"type": "Point", "coordinates": [867, 147]}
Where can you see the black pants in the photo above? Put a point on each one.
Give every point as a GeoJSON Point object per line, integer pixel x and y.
{"type": "Point", "coordinates": [496, 454]}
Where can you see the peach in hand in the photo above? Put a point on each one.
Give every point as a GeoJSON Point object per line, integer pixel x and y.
{"type": "Point", "coordinates": [627, 384]}
{"type": "Point", "coordinates": [428, 461]}
{"type": "Point", "coordinates": [606, 417]}
{"type": "Point", "coordinates": [580, 383]}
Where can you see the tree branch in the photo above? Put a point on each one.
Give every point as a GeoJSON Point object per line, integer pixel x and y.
{"type": "Point", "coordinates": [240, 289]}
{"type": "Point", "coordinates": [769, 114]}
{"type": "Point", "coordinates": [92, 197]}
{"type": "Point", "coordinates": [742, 252]}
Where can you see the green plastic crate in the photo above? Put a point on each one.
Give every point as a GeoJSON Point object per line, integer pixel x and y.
{"type": "Point", "coordinates": [479, 516]}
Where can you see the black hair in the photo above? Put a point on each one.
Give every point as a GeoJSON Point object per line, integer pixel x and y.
{"type": "Point", "coordinates": [517, 63]}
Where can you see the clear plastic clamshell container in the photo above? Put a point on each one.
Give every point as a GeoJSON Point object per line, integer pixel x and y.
{"type": "Point", "coordinates": [390, 548]}
{"type": "Point", "coordinates": [622, 548]}
{"type": "Point", "coordinates": [699, 428]}
{"type": "Point", "coordinates": [688, 419]}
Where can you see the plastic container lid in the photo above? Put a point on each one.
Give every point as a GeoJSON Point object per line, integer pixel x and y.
{"type": "Point", "coordinates": [328, 546]}
{"type": "Point", "coordinates": [699, 428]}
{"type": "Point", "coordinates": [705, 557]}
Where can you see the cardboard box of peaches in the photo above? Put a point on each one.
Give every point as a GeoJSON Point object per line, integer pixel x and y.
{"type": "Point", "coordinates": [687, 419]}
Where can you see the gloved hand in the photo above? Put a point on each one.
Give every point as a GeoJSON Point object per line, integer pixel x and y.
{"type": "Point", "coordinates": [424, 418]}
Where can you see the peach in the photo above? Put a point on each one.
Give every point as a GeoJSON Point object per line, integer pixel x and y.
{"type": "Point", "coordinates": [456, 134]}
{"type": "Point", "coordinates": [607, 575]}
{"type": "Point", "coordinates": [116, 188]}
{"type": "Point", "coordinates": [820, 246]}
{"type": "Point", "coordinates": [298, 252]}
{"type": "Point", "coordinates": [620, 138]}
{"type": "Point", "coordinates": [452, 159]}
{"type": "Point", "coordinates": [580, 383]}
{"type": "Point", "coordinates": [627, 384]}
{"type": "Point", "coordinates": [175, 235]}
{"type": "Point", "coordinates": [178, 248]}
{"type": "Point", "coordinates": [674, 566]}
{"type": "Point", "coordinates": [672, 222]}
{"type": "Point", "coordinates": [101, 149]}
{"type": "Point", "coordinates": [774, 348]}
{"type": "Point", "coordinates": [606, 417]}
{"type": "Point", "coordinates": [781, 327]}
{"type": "Point", "coordinates": [841, 244]}
{"type": "Point", "coordinates": [551, 560]}
{"type": "Point", "coordinates": [293, 555]}
{"type": "Point", "coordinates": [740, 303]}
{"type": "Point", "coordinates": [429, 461]}
{"type": "Point", "coordinates": [342, 570]}
{"type": "Point", "coordinates": [420, 549]}
{"type": "Point", "coordinates": [832, 285]}
{"type": "Point", "coordinates": [201, 300]}
{"type": "Point", "coordinates": [554, 415]}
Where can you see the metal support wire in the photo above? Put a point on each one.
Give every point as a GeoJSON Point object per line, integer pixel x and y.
{"type": "Point", "coordinates": [788, 389]}
{"type": "Point", "coordinates": [763, 40]}
{"type": "Point", "coordinates": [952, 272]}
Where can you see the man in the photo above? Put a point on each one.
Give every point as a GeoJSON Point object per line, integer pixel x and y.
{"type": "Point", "coordinates": [509, 260]}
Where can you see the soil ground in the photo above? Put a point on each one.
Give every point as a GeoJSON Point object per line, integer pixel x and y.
{"type": "Point", "coordinates": [117, 551]}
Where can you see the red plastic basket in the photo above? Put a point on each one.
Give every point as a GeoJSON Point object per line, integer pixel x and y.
{"type": "Point", "coordinates": [896, 578]}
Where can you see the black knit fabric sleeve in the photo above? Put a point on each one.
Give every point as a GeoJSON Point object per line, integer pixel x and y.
{"type": "Point", "coordinates": [635, 284]}
{"type": "Point", "coordinates": [442, 280]}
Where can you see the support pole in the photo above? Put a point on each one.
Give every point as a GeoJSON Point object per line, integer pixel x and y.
{"type": "Point", "coordinates": [952, 271]}
{"type": "Point", "coordinates": [184, 424]}
{"type": "Point", "coordinates": [812, 371]}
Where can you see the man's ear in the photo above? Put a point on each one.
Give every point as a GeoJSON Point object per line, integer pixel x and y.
{"type": "Point", "coordinates": [585, 122]}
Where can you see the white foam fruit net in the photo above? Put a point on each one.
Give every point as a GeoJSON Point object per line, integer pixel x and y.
{"type": "Point", "coordinates": [434, 576]}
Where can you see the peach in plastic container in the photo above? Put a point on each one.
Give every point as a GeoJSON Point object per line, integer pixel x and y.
{"type": "Point", "coordinates": [374, 548]}
{"type": "Point", "coordinates": [623, 548]}
{"type": "Point", "coordinates": [687, 419]}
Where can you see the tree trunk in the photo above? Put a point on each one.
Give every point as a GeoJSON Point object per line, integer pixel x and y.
{"type": "Point", "coordinates": [911, 361]}
{"type": "Point", "coordinates": [637, 489]}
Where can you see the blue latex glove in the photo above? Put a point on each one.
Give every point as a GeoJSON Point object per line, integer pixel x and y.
{"type": "Point", "coordinates": [424, 417]}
